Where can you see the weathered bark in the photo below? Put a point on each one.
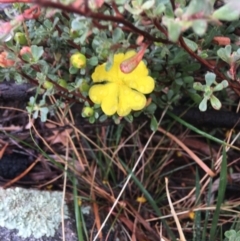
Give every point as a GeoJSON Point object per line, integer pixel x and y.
{"type": "Point", "coordinates": [11, 91]}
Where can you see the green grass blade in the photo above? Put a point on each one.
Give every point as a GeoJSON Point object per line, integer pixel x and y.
{"type": "Point", "coordinates": [202, 133]}
{"type": "Point", "coordinates": [77, 210]}
{"type": "Point", "coordinates": [207, 213]}
{"type": "Point", "coordinates": [221, 194]}
{"type": "Point", "coordinates": [151, 201]}
{"type": "Point", "coordinates": [197, 219]}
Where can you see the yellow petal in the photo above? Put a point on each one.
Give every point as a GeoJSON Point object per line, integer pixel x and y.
{"type": "Point", "coordinates": [124, 105]}
{"type": "Point", "coordinates": [130, 100]}
{"type": "Point", "coordinates": [141, 71]}
{"type": "Point", "coordinates": [100, 74]}
{"type": "Point", "coordinates": [123, 110]}
{"type": "Point", "coordinates": [138, 100]}
{"type": "Point", "coordinates": [110, 105]}
{"type": "Point", "coordinates": [143, 84]}
{"type": "Point", "coordinates": [129, 54]}
{"type": "Point", "coordinates": [118, 58]}
{"type": "Point", "coordinates": [110, 102]}
{"type": "Point", "coordinates": [106, 95]}
{"type": "Point", "coordinates": [97, 93]}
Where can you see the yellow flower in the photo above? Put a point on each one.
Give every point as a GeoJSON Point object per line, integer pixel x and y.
{"type": "Point", "coordinates": [121, 92]}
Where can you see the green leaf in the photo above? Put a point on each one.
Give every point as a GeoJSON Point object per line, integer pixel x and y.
{"type": "Point", "coordinates": [238, 234]}
{"type": "Point", "coordinates": [154, 123]}
{"type": "Point", "coordinates": [195, 97]}
{"type": "Point", "coordinates": [225, 53]}
{"type": "Point", "coordinates": [203, 104]}
{"type": "Point", "coordinates": [199, 26]}
{"type": "Point", "coordinates": [220, 86]}
{"type": "Point", "coordinates": [197, 6]}
{"type": "Point", "coordinates": [35, 114]}
{"type": "Point", "coordinates": [93, 61]}
{"type": "Point", "coordinates": [27, 57]}
{"type": "Point", "coordinates": [179, 81]}
{"type": "Point", "coordinates": [148, 4]}
{"type": "Point", "coordinates": [198, 86]}
{"type": "Point", "coordinates": [228, 234]}
{"type": "Point", "coordinates": [76, 24]}
{"type": "Point", "coordinates": [44, 112]}
{"type": "Point", "coordinates": [91, 119]}
{"type": "Point", "coordinates": [117, 35]}
{"type": "Point", "coordinates": [174, 28]}
{"type": "Point", "coordinates": [129, 118]}
{"type": "Point", "coordinates": [178, 57]}
{"type": "Point", "coordinates": [191, 67]}
{"type": "Point", "coordinates": [48, 24]}
{"type": "Point", "coordinates": [159, 9]}
{"type": "Point", "coordinates": [215, 102]}
{"type": "Point", "coordinates": [210, 78]}
{"type": "Point", "coordinates": [227, 13]}
{"type": "Point", "coordinates": [41, 77]}
{"type": "Point", "coordinates": [151, 108]}
{"type": "Point", "coordinates": [37, 52]}
{"type": "Point", "coordinates": [103, 118]}
{"type": "Point", "coordinates": [134, 11]}
{"type": "Point", "coordinates": [191, 44]}
{"type": "Point", "coordinates": [73, 70]}
{"type": "Point", "coordinates": [188, 79]}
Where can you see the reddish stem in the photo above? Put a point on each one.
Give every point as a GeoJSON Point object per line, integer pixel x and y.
{"type": "Point", "coordinates": [18, 1]}
{"type": "Point", "coordinates": [160, 28]}
{"type": "Point", "coordinates": [99, 16]}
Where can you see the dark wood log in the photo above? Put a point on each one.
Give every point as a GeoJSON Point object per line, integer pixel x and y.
{"type": "Point", "coordinates": [11, 91]}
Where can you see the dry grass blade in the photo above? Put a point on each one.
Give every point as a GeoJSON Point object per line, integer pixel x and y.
{"type": "Point", "coordinates": [129, 177]}
{"type": "Point", "coordinates": [181, 234]}
{"type": "Point", "coordinates": [193, 155]}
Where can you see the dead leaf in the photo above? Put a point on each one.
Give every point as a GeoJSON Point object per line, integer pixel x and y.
{"type": "Point", "coordinates": [58, 136]}
{"type": "Point", "coordinates": [220, 40]}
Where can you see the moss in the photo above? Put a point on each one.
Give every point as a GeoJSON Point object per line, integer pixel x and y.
{"type": "Point", "coordinates": [32, 212]}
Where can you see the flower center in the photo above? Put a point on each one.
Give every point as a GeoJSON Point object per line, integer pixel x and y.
{"type": "Point", "coordinates": [119, 82]}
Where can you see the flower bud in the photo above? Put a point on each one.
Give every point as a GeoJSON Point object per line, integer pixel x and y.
{"type": "Point", "coordinates": [20, 38]}
{"type": "Point", "coordinates": [62, 83]}
{"type": "Point", "coordinates": [78, 60]}
{"type": "Point", "coordinates": [87, 111]}
{"type": "Point", "coordinates": [84, 87]}
{"type": "Point", "coordinates": [128, 65]}
{"type": "Point", "coordinates": [47, 84]}
{"type": "Point", "coordinates": [74, 34]}
{"type": "Point", "coordinates": [25, 50]}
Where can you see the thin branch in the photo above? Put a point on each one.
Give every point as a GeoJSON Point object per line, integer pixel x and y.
{"type": "Point", "coordinates": [160, 28]}
{"type": "Point", "coordinates": [173, 4]}
{"type": "Point", "coordinates": [99, 16]}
